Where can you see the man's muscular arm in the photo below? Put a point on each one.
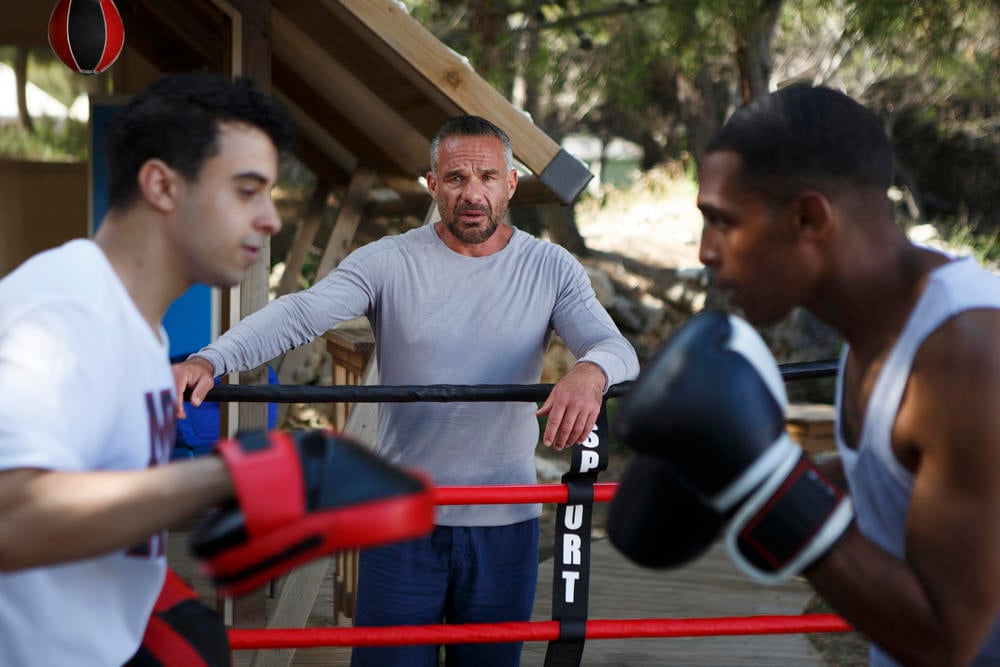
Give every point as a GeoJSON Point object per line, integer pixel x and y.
{"type": "Point", "coordinates": [936, 606]}
{"type": "Point", "coordinates": [51, 517]}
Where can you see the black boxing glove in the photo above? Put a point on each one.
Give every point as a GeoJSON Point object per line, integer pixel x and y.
{"type": "Point", "coordinates": [301, 495]}
{"type": "Point", "coordinates": [711, 404]}
{"type": "Point", "coordinates": [656, 520]}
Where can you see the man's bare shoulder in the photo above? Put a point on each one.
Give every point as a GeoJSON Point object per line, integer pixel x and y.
{"type": "Point", "coordinates": [953, 394]}
{"type": "Point", "coordinates": [965, 347]}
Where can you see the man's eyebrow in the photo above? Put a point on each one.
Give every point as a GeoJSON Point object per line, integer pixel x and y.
{"type": "Point", "coordinates": [252, 175]}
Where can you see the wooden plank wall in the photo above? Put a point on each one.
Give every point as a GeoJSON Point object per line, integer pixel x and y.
{"type": "Point", "coordinates": [44, 205]}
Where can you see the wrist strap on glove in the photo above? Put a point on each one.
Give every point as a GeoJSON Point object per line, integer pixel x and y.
{"type": "Point", "coordinates": [792, 519]}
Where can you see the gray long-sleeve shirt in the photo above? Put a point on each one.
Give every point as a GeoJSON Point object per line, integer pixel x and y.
{"type": "Point", "coordinates": [443, 318]}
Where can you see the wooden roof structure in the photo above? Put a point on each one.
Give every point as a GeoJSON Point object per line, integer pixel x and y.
{"type": "Point", "coordinates": [365, 83]}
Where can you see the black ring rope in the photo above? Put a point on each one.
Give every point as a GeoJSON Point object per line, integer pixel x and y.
{"type": "Point", "coordinates": [445, 393]}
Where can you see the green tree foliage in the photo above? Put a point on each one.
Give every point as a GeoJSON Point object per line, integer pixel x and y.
{"type": "Point", "coordinates": [929, 69]}
{"type": "Point", "coordinates": [665, 75]}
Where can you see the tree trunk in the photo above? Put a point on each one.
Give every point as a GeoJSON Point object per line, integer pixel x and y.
{"type": "Point", "coordinates": [704, 103]}
{"type": "Point", "coordinates": [527, 219]}
{"type": "Point", "coordinates": [21, 83]}
{"type": "Point", "coordinates": [753, 48]}
{"type": "Point", "coordinates": [560, 221]}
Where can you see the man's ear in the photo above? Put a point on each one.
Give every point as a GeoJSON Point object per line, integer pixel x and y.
{"type": "Point", "coordinates": [813, 215]}
{"type": "Point", "coordinates": [158, 184]}
{"type": "Point", "coordinates": [511, 183]}
{"type": "Point", "coordinates": [431, 183]}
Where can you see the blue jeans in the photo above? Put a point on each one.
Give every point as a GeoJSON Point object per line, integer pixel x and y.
{"type": "Point", "coordinates": [457, 574]}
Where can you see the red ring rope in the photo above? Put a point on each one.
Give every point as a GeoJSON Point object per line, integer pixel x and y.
{"type": "Point", "coordinates": [515, 493]}
{"type": "Point", "coordinates": [243, 639]}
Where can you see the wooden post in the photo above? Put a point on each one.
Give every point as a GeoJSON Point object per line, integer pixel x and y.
{"type": "Point", "coordinates": [304, 239]}
{"type": "Point", "coordinates": [348, 218]}
{"type": "Point", "coordinates": [250, 55]}
{"type": "Point", "coordinates": [350, 349]}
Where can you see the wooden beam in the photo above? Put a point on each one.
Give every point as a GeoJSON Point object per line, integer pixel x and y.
{"type": "Point", "coordinates": [292, 611]}
{"type": "Point", "coordinates": [350, 96]}
{"type": "Point", "coordinates": [380, 74]}
{"type": "Point", "coordinates": [304, 238]}
{"type": "Point", "coordinates": [319, 163]}
{"type": "Point", "coordinates": [26, 24]}
{"type": "Point", "coordinates": [250, 55]}
{"type": "Point", "coordinates": [443, 74]}
{"type": "Point", "coordinates": [327, 125]}
{"type": "Point", "coordinates": [201, 33]}
{"type": "Point", "coordinates": [254, 287]}
{"type": "Point", "coordinates": [311, 130]}
{"type": "Point", "coordinates": [531, 191]}
{"type": "Point", "coordinates": [409, 204]}
{"type": "Point", "coordinates": [348, 218]}
{"type": "Point", "coordinates": [158, 41]}
{"type": "Point", "coordinates": [403, 185]}
{"type": "Point", "coordinates": [229, 299]}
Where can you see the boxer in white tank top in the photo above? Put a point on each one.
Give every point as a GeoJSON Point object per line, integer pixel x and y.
{"type": "Point", "coordinates": [794, 193]}
{"type": "Point", "coordinates": [880, 485]}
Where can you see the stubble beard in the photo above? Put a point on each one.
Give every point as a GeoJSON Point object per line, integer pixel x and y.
{"type": "Point", "coordinates": [472, 235]}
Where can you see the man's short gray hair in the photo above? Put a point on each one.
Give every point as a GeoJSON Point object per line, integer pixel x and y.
{"type": "Point", "coordinates": [470, 126]}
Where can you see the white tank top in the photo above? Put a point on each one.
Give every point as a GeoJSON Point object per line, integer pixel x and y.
{"type": "Point", "coordinates": [880, 486]}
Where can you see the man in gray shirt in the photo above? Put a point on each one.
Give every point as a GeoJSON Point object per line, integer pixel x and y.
{"type": "Point", "coordinates": [468, 300]}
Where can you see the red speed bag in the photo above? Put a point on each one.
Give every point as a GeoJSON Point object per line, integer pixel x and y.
{"type": "Point", "coordinates": [87, 35]}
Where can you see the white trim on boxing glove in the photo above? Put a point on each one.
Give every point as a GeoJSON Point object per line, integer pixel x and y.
{"type": "Point", "coordinates": [746, 341]}
{"type": "Point", "coordinates": [780, 451]}
{"type": "Point", "coordinates": [830, 529]}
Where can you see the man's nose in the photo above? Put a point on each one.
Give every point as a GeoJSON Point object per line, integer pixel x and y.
{"type": "Point", "coordinates": [474, 191]}
{"type": "Point", "coordinates": [269, 221]}
{"type": "Point", "coordinates": [708, 253]}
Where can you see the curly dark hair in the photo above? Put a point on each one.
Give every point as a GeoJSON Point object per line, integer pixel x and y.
{"type": "Point", "coordinates": [176, 119]}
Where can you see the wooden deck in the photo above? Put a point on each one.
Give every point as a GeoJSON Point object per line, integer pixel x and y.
{"type": "Point", "coordinates": [710, 587]}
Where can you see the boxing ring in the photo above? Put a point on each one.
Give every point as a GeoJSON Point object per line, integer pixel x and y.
{"type": "Point", "coordinates": [570, 626]}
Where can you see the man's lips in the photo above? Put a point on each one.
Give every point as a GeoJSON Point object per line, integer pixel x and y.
{"type": "Point", "coordinates": [471, 215]}
{"type": "Point", "coordinates": [252, 252]}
